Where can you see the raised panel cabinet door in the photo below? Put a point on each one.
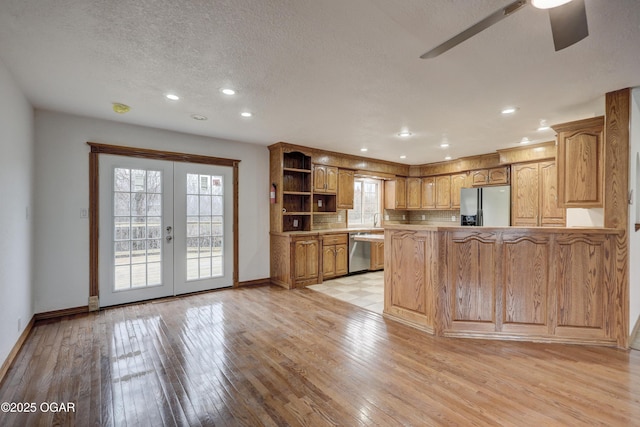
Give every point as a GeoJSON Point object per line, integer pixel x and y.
{"type": "Point", "coordinates": [499, 175]}
{"type": "Point", "coordinates": [480, 177]}
{"type": "Point", "coordinates": [377, 256]}
{"type": "Point", "coordinates": [414, 193]}
{"type": "Point", "coordinates": [345, 189]}
{"type": "Point", "coordinates": [401, 193]}
{"type": "Point", "coordinates": [458, 182]}
{"type": "Point", "coordinates": [428, 193]}
{"type": "Point", "coordinates": [551, 214]}
{"type": "Point", "coordinates": [312, 258]}
{"type": "Point", "coordinates": [300, 260]}
{"type": "Point", "coordinates": [524, 195]}
{"type": "Point", "coordinates": [329, 261]}
{"type": "Point", "coordinates": [319, 178]}
{"type": "Point", "coordinates": [443, 192]}
{"type": "Point", "coordinates": [341, 260]}
{"type": "Point", "coordinates": [473, 279]}
{"type": "Point", "coordinates": [332, 180]}
{"type": "Point", "coordinates": [580, 162]}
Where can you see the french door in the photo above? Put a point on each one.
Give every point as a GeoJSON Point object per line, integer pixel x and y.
{"type": "Point", "coordinates": [165, 228]}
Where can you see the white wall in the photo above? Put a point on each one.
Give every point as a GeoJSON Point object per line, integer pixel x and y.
{"type": "Point", "coordinates": [16, 197]}
{"type": "Point", "coordinates": [634, 212]}
{"type": "Point", "coordinates": [62, 190]}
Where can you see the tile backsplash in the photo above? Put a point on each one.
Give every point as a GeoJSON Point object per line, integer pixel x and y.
{"type": "Point", "coordinates": [329, 221]}
{"type": "Point", "coordinates": [430, 217]}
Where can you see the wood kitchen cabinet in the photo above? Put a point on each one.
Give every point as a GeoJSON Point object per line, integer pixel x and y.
{"type": "Point", "coordinates": [443, 192]}
{"type": "Point", "coordinates": [580, 162]}
{"type": "Point", "coordinates": [290, 172]}
{"type": "Point", "coordinates": [534, 196]}
{"type": "Point", "coordinates": [493, 176]}
{"type": "Point", "coordinates": [414, 191]}
{"type": "Point", "coordinates": [377, 256]}
{"type": "Point", "coordinates": [306, 260]}
{"type": "Point", "coordinates": [395, 193]}
{"type": "Point", "coordinates": [458, 181]}
{"type": "Point", "coordinates": [335, 255]}
{"type": "Point", "coordinates": [428, 199]}
{"type": "Point", "coordinates": [345, 189]}
{"type": "Point", "coordinates": [325, 179]}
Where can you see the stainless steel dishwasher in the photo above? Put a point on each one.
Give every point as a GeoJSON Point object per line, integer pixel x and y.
{"type": "Point", "coordinates": [359, 254]}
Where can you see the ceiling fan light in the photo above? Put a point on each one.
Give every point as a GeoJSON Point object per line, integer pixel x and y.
{"type": "Point", "coordinates": [548, 4]}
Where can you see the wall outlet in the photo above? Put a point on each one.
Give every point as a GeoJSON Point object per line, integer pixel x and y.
{"type": "Point", "coordinates": [404, 217]}
{"type": "Point", "coordinates": [386, 217]}
{"type": "Point", "coordinates": [295, 223]}
{"type": "Point", "coordinates": [84, 213]}
{"type": "Point", "coordinates": [19, 324]}
{"type": "Point", "coordinates": [319, 203]}
{"type": "Point", "coordinates": [453, 218]}
{"type": "Point", "coordinates": [424, 217]}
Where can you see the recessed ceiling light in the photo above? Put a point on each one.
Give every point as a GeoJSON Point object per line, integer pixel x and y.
{"type": "Point", "coordinates": [525, 140]}
{"type": "Point", "coordinates": [548, 4]}
{"type": "Point", "coordinates": [364, 149]}
{"type": "Point", "coordinates": [172, 96]}
{"type": "Point", "coordinates": [405, 134]}
{"type": "Point", "coordinates": [543, 125]}
{"type": "Point", "coordinates": [246, 114]}
{"type": "Point", "coordinates": [444, 145]}
{"type": "Point", "coordinates": [198, 117]}
{"type": "Point", "coordinates": [447, 158]}
{"type": "Point", "coordinates": [121, 108]}
{"type": "Point", "coordinates": [403, 157]}
{"type": "Point", "coordinates": [509, 110]}
{"type": "Point", "coordinates": [228, 91]}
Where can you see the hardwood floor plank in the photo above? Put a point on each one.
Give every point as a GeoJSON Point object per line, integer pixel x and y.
{"type": "Point", "coordinates": [264, 356]}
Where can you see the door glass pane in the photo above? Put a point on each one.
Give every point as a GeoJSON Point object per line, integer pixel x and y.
{"type": "Point", "coordinates": [205, 207]}
{"type": "Point", "coordinates": [137, 215]}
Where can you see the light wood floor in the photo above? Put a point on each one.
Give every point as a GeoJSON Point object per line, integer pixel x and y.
{"type": "Point", "coordinates": [267, 356]}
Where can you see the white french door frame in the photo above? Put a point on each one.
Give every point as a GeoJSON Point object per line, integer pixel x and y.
{"type": "Point", "coordinates": [94, 202]}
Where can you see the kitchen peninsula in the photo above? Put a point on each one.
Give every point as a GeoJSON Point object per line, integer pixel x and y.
{"type": "Point", "coordinates": [535, 284]}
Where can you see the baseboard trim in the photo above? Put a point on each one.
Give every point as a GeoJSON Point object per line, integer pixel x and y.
{"type": "Point", "coordinates": [16, 348]}
{"type": "Point", "coordinates": [256, 282]}
{"type": "Point", "coordinates": [61, 313]}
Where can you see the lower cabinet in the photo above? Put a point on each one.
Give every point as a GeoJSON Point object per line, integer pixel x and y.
{"type": "Point", "coordinates": [298, 260]}
{"type": "Point", "coordinates": [306, 260]}
{"type": "Point", "coordinates": [377, 256]}
{"type": "Point", "coordinates": [334, 255]}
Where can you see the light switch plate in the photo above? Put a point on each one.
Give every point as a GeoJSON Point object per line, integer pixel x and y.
{"type": "Point", "coordinates": [295, 223]}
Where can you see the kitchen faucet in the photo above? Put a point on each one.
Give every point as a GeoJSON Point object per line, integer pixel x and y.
{"type": "Point", "coordinates": [375, 219]}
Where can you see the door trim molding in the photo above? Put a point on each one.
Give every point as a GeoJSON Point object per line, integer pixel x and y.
{"type": "Point", "coordinates": [94, 200]}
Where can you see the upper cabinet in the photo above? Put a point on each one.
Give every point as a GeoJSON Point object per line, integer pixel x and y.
{"type": "Point", "coordinates": [290, 173]}
{"type": "Point", "coordinates": [325, 179]}
{"type": "Point", "coordinates": [345, 189]}
{"type": "Point", "coordinates": [414, 191]}
{"type": "Point", "coordinates": [443, 192]}
{"type": "Point", "coordinates": [580, 163]}
{"type": "Point", "coordinates": [428, 193]}
{"type": "Point", "coordinates": [458, 181]}
{"type": "Point", "coordinates": [534, 196]}
{"type": "Point", "coordinates": [395, 193]}
{"type": "Point", "coordinates": [493, 176]}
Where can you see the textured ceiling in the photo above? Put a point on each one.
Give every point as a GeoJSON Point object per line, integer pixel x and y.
{"type": "Point", "coordinates": [333, 74]}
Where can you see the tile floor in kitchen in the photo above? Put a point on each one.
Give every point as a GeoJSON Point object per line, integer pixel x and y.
{"type": "Point", "coordinates": [365, 290]}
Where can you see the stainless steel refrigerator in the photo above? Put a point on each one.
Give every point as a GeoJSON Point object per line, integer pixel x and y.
{"type": "Point", "coordinates": [487, 206]}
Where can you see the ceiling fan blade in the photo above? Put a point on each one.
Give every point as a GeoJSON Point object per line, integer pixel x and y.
{"type": "Point", "coordinates": [475, 29]}
{"type": "Point", "coordinates": [568, 24]}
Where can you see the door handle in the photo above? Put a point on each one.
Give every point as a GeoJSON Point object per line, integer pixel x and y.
{"type": "Point", "coordinates": [169, 239]}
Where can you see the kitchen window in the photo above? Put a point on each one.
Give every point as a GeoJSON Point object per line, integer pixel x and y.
{"type": "Point", "coordinates": [366, 210]}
